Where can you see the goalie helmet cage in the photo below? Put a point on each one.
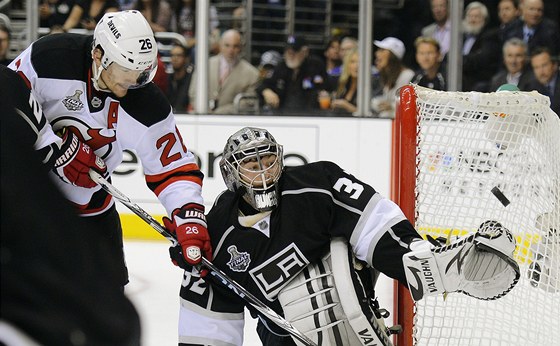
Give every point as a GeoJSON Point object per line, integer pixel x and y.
{"type": "Point", "coordinates": [458, 159]}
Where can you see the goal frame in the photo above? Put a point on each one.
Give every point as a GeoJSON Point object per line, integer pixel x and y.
{"type": "Point", "coordinates": [403, 176]}
{"type": "Point", "coordinates": [502, 142]}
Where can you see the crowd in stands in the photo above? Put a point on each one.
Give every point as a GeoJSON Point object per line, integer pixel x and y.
{"type": "Point", "coordinates": [504, 41]}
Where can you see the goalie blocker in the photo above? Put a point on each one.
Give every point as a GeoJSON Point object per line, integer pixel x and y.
{"type": "Point", "coordinates": [480, 265]}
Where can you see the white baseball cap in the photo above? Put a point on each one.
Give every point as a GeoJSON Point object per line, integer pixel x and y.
{"type": "Point", "coordinates": [392, 44]}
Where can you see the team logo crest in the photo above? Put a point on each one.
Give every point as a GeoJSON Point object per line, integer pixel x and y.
{"type": "Point", "coordinates": [239, 261]}
{"type": "Point", "coordinates": [73, 103]}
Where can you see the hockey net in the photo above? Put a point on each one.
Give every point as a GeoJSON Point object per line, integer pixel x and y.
{"type": "Point", "coordinates": [460, 159]}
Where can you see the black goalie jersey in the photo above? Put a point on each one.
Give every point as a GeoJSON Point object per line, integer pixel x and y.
{"type": "Point", "coordinates": [318, 201]}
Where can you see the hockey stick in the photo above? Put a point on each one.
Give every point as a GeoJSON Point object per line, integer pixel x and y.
{"type": "Point", "coordinates": [214, 271]}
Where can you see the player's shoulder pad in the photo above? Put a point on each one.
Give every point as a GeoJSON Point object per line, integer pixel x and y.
{"type": "Point", "coordinates": [62, 56]}
{"type": "Point", "coordinates": [148, 105]}
{"type": "Point", "coordinates": [322, 168]}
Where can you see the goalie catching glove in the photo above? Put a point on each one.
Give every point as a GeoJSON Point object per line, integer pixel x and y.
{"type": "Point", "coordinates": [188, 226]}
{"type": "Point", "coordinates": [75, 161]}
{"type": "Point", "coordinates": [480, 265]}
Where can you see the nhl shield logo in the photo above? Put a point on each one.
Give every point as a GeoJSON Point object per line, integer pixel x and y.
{"type": "Point", "coordinates": [73, 103]}
{"type": "Point", "coordinates": [96, 102]}
{"type": "Point", "coordinates": [239, 260]}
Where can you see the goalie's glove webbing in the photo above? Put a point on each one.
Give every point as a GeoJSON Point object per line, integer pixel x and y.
{"type": "Point", "coordinates": [480, 265]}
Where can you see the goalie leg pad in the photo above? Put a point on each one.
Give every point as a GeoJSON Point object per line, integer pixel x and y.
{"type": "Point", "coordinates": [480, 265]}
{"type": "Point", "coordinates": [312, 303]}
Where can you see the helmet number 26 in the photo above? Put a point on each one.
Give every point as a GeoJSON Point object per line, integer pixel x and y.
{"type": "Point", "coordinates": [145, 44]}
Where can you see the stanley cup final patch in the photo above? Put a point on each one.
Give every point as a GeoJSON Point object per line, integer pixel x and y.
{"type": "Point", "coordinates": [72, 102]}
{"type": "Point", "coordinates": [239, 261]}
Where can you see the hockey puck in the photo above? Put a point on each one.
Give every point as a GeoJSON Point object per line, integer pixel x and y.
{"type": "Point", "coordinates": [500, 196]}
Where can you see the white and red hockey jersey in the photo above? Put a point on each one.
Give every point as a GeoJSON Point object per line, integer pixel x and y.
{"type": "Point", "coordinates": [58, 70]}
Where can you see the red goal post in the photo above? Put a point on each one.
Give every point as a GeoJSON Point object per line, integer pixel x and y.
{"type": "Point", "coordinates": [459, 159]}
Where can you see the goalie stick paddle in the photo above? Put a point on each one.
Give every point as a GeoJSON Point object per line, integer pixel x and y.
{"type": "Point", "coordinates": [214, 271]}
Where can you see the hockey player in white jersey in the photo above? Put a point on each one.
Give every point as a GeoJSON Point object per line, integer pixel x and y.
{"type": "Point", "coordinates": [96, 91]}
{"type": "Point", "coordinates": [306, 240]}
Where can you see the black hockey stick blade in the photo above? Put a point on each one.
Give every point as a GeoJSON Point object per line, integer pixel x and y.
{"type": "Point", "coordinates": [214, 271]}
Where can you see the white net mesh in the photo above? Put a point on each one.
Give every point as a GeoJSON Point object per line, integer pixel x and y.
{"type": "Point", "coordinates": [493, 156]}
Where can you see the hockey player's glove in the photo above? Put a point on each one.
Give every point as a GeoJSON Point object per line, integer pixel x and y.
{"type": "Point", "coordinates": [480, 264]}
{"type": "Point", "coordinates": [188, 225]}
{"type": "Point", "coordinates": [75, 161]}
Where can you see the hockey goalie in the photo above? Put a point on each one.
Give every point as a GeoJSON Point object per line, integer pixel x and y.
{"type": "Point", "coordinates": [309, 241]}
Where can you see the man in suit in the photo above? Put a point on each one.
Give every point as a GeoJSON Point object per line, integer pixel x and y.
{"type": "Point", "coordinates": [517, 71]}
{"type": "Point", "coordinates": [228, 75]}
{"type": "Point", "coordinates": [481, 48]}
{"type": "Point", "coordinates": [179, 80]}
{"type": "Point", "coordinates": [440, 29]}
{"type": "Point", "coordinates": [547, 76]}
{"type": "Point", "coordinates": [534, 28]}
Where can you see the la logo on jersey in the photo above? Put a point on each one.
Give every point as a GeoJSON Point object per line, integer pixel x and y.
{"type": "Point", "coordinates": [239, 261]}
{"type": "Point", "coordinates": [271, 276]}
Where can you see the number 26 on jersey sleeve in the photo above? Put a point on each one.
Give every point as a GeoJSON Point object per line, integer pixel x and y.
{"type": "Point", "coordinates": [167, 142]}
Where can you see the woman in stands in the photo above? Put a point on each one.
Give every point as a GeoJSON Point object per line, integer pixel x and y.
{"type": "Point", "coordinates": [347, 86]}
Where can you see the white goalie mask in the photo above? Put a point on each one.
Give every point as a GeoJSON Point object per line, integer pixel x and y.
{"type": "Point", "coordinates": [252, 163]}
{"type": "Point", "coordinates": [128, 46]}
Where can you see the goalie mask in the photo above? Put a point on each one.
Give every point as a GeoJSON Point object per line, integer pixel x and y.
{"type": "Point", "coordinates": [252, 163]}
{"type": "Point", "coordinates": [129, 48]}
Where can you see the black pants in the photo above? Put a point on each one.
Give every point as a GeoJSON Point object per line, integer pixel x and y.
{"type": "Point", "coordinates": [108, 225]}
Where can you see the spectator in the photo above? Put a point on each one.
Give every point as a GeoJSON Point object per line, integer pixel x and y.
{"type": "Point", "coordinates": [86, 13]}
{"type": "Point", "coordinates": [185, 14]}
{"type": "Point", "coordinates": [534, 29]}
{"type": "Point", "coordinates": [333, 63]}
{"type": "Point", "coordinates": [180, 79]}
{"type": "Point", "coordinates": [517, 71]}
{"type": "Point", "coordinates": [158, 13]}
{"type": "Point", "coordinates": [347, 86]}
{"type": "Point", "coordinates": [269, 60]}
{"type": "Point", "coordinates": [5, 37]}
{"type": "Point", "coordinates": [508, 13]}
{"type": "Point", "coordinates": [54, 13]}
{"type": "Point", "coordinates": [428, 57]}
{"type": "Point", "coordinates": [440, 29]}
{"type": "Point", "coordinates": [295, 83]}
{"type": "Point", "coordinates": [228, 75]}
{"type": "Point", "coordinates": [393, 75]}
{"type": "Point", "coordinates": [481, 49]}
{"type": "Point", "coordinates": [346, 45]}
{"type": "Point", "coordinates": [547, 80]}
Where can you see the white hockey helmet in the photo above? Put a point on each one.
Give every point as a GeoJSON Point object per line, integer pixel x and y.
{"type": "Point", "coordinates": [127, 39]}
{"type": "Point", "coordinates": [252, 163]}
